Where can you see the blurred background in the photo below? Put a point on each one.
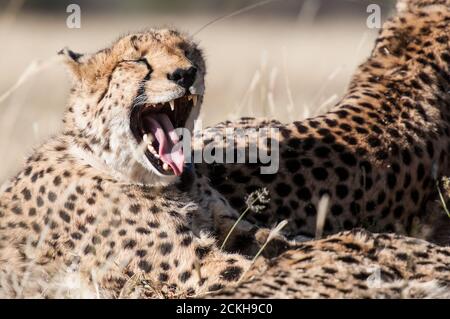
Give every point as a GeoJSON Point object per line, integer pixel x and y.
{"type": "Point", "coordinates": [286, 59]}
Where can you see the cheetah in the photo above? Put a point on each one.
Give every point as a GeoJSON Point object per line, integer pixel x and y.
{"type": "Point", "coordinates": [110, 197]}
{"type": "Point", "coordinates": [376, 154]}
{"type": "Point", "coordinates": [351, 264]}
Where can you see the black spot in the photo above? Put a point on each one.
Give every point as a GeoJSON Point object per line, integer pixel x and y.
{"type": "Point", "coordinates": [392, 180]}
{"type": "Point", "coordinates": [165, 266]}
{"type": "Point", "coordinates": [348, 259]}
{"type": "Point", "coordinates": [301, 128]}
{"type": "Point", "coordinates": [69, 205]}
{"type": "Point", "coordinates": [64, 216]}
{"type": "Point", "coordinates": [215, 287]}
{"type": "Point", "coordinates": [299, 180]}
{"type": "Point", "coordinates": [322, 152]}
{"type": "Point", "coordinates": [406, 157]}
{"type": "Point", "coordinates": [292, 165]}
{"type": "Point", "coordinates": [201, 252]}
{"type": "Point", "coordinates": [370, 206]}
{"type": "Point", "coordinates": [26, 194]}
{"type": "Point", "coordinates": [304, 194]}
{"type": "Point", "coordinates": [143, 231]}
{"type": "Point", "coordinates": [283, 189]}
{"type": "Point", "coordinates": [374, 141]}
{"type": "Point", "coordinates": [186, 241]}
{"type": "Point", "coordinates": [89, 250]}
{"type": "Point", "coordinates": [381, 155]}
{"type": "Point", "coordinates": [32, 212]}
{"type": "Point", "coordinates": [420, 172]}
{"type": "Point", "coordinates": [135, 209]}
{"type": "Point", "coordinates": [155, 209]}
{"type": "Point", "coordinates": [358, 119]}
{"type": "Point", "coordinates": [341, 191]}
{"type": "Point", "coordinates": [145, 266]}
{"type": "Point", "coordinates": [320, 173]}
{"type": "Point", "coordinates": [51, 197]}
{"type": "Point", "coordinates": [163, 277]}
{"type": "Point", "coordinates": [153, 224]}
{"type": "Point", "coordinates": [17, 210]}
{"type": "Point", "coordinates": [352, 246]}
{"type": "Point", "coordinates": [358, 194]}
{"type": "Point", "coordinates": [425, 78]}
{"type": "Point", "coordinates": [76, 235]}
{"type": "Point", "coordinates": [336, 210]}
{"type": "Point", "coordinates": [39, 201]}
{"type": "Point", "coordinates": [348, 159]}
{"type": "Point", "coordinates": [165, 248]}
{"type": "Point", "coordinates": [232, 273]}
{"type": "Point", "coordinates": [308, 144]}
{"type": "Point", "coordinates": [129, 244]}
{"type": "Point", "coordinates": [342, 114]}
{"type": "Point", "coordinates": [184, 276]}
{"type": "Point", "coordinates": [307, 162]}
{"type": "Point", "coordinates": [342, 173]}
{"type": "Point", "coordinates": [57, 181]}
{"type": "Point", "coordinates": [345, 127]}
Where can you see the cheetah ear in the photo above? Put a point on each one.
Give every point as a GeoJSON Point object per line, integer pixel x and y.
{"type": "Point", "coordinates": [402, 5]}
{"type": "Point", "coordinates": [73, 60]}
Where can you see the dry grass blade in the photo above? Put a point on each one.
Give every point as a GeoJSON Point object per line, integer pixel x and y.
{"type": "Point", "coordinates": [35, 67]}
{"type": "Point", "coordinates": [442, 199]}
{"type": "Point", "coordinates": [273, 233]}
{"type": "Point", "coordinates": [321, 215]}
{"type": "Point", "coordinates": [256, 202]}
{"type": "Point", "coordinates": [235, 13]}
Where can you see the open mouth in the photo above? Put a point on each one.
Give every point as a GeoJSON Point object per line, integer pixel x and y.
{"type": "Point", "coordinates": [155, 124]}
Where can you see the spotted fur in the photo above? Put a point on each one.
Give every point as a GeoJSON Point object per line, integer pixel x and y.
{"type": "Point", "coordinates": [377, 153]}
{"type": "Point", "coordinates": [352, 264]}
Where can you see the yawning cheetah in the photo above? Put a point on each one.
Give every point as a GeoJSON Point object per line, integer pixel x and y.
{"type": "Point", "coordinates": [109, 197]}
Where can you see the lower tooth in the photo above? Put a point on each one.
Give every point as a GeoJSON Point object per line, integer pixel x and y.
{"type": "Point", "coordinates": [166, 166]}
{"type": "Point", "coordinates": [195, 99]}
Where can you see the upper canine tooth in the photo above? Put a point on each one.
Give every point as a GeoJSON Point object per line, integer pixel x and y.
{"type": "Point", "coordinates": [148, 139]}
{"type": "Point", "coordinates": [172, 105]}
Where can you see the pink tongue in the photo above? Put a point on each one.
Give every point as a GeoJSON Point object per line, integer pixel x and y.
{"type": "Point", "coordinates": [170, 150]}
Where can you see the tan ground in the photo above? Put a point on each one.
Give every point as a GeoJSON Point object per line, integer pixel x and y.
{"type": "Point", "coordinates": [302, 67]}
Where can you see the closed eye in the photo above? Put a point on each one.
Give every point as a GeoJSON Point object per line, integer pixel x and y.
{"type": "Point", "coordinates": [141, 60]}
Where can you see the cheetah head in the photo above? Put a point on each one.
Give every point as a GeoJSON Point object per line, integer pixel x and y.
{"type": "Point", "coordinates": [127, 101]}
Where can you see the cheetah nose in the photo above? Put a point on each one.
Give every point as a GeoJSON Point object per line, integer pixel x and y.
{"type": "Point", "coordinates": [183, 77]}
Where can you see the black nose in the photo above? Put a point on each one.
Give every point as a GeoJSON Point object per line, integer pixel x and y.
{"type": "Point", "coordinates": [183, 77]}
